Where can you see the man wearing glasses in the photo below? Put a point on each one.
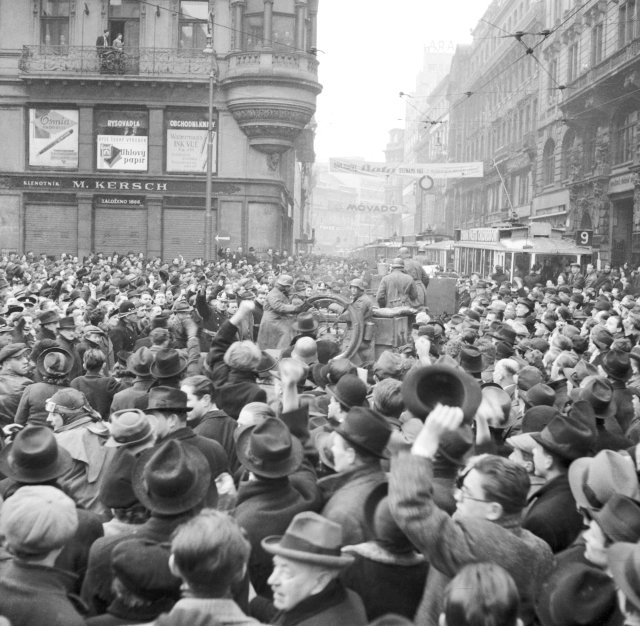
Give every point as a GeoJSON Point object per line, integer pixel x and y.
{"type": "Point", "coordinates": [486, 527]}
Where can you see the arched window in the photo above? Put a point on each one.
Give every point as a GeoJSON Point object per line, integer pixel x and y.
{"type": "Point", "coordinates": [549, 162]}
{"type": "Point", "coordinates": [624, 129]}
{"type": "Point", "coordinates": [568, 143]}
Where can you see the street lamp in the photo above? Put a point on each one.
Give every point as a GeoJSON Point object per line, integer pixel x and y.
{"type": "Point", "coordinates": [213, 75]}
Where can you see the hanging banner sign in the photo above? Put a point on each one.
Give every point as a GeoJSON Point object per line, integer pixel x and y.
{"type": "Point", "coordinates": [53, 138]}
{"type": "Point", "coordinates": [434, 170]}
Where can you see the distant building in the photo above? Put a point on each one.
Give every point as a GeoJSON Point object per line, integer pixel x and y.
{"type": "Point", "coordinates": [106, 150]}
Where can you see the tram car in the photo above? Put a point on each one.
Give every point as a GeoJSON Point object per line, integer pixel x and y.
{"type": "Point", "coordinates": [516, 248]}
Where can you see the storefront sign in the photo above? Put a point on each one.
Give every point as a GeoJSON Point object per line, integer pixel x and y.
{"type": "Point", "coordinates": [122, 140]}
{"type": "Point", "coordinates": [435, 170]}
{"type": "Point", "coordinates": [622, 183]}
{"type": "Point", "coordinates": [53, 138]}
{"type": "Point", "coordinates": [366, 207]}
{"type": "Point", "coordinates": [128, 202]}
{"type": "Point", "coordinates": [186, 134]}
{"type": "Point", "coordinates": [90, 183]}
{"type": "Point", "coordinates": [487, 235]}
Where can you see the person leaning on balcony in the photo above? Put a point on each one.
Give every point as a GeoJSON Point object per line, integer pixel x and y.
{"type": "Point", "coordinates": [117, 43]}
{"type": "Point", "coordinates": [103, 41]}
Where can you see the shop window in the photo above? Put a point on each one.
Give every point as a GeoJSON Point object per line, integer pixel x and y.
{"type": "Point", "coordinates": [193, 24]}
{"type": "Point", "coordinates": [625, 136]}
{"type": "Point", "coordinates": [54, 22]}
{"type": "Point", "coordinates": [549, 163]}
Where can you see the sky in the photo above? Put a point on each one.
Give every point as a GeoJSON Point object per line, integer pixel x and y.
{"type": "Point", "coordinates": [369, 51]}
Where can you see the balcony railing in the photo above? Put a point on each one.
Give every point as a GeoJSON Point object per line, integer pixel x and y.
{"type": "Point", "coordinates": [70, 61]}
{"type": "Point", "coordinates": [87, 60]}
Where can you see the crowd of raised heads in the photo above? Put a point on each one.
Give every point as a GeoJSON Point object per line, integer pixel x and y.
{"type": "Point", "coordinates": [194, 443]}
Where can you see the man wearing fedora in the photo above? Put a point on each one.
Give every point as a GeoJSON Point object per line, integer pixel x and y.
{"type": "Point", "coordinates": [397, 288]}
{"type": "Point", "coordinates": [98, 389]}
{"type": "Point", "coordinates": [49, 322]}
{"type": "Point", "coordinates": [490, 498]}
{"type": "Point", "coordinates": [305, 581]}
{"type": "Point", "coordinates": [68, 339]}
{"type": "Point", "coordinates": [14, 367]}
{"type": "Point", "coordinates": [136, 396]}
{"type": "Point", "coordinates": [552, 514]}
{"type": "Point", "coordinates": [173, 482]}
{"type": "Point", "coordinates": [616, 366]}
{"type": "Point", "coordinates": [124, 334]}
{"type": "Point", "coordinates": [358, 445]}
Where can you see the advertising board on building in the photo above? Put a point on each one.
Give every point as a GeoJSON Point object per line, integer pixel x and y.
{"type": "Point", "coordinates": [122, 140]}
{"type": "Point", "coordinates": [186, 141]}
{"type": "Point", "coordinates": [53, 138]}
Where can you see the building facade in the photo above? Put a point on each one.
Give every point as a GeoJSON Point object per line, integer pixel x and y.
{"type": "Point", "coordinates": [493, 99]}
{"type": "Point", "coordinates": [106, 143]}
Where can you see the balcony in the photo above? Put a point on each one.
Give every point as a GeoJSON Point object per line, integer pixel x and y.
{"type": "Point", "coordinates": [50, 62]}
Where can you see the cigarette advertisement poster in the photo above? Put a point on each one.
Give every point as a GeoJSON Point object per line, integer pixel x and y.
{"type": "Point", "coordinates": [53, 138]}
{"type": "Point", "coordinates": [186, 133]}
{"type": "Point", "coordinates": [122, 140]}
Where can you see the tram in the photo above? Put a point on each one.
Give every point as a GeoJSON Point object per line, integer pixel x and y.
{"type": "Point", "coordinates": [387, 249]}
{"type": "Point", "coordinates": [439, 253]}
{"type": "Point", "coordinates": [516, 248]}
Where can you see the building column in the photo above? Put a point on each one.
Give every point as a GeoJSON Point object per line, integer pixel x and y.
{"type": "Point", "coordinates": [301, 15]}
{"type": "Point", "coordinates": [154, 229]}
{"type": "Point", "coordinates": [85, 224]}
{"type": "Point", "coordinates": [313, 15]}
{"type": "Point", "coordinates": [267, 32]}
{"type": "Point", "coordinates": [238, 16]}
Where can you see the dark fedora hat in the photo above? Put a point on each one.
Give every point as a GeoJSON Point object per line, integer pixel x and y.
{"type": "Point", "coordinates": [598, 392]}
{"type": "Point", "coordinates": [471, 359]}
{"type": "Point", "coordinates": [540, 395]}
{"type": "Point", "coordinates": [619, 518]}
{"type": "Point", "coordinates": [349, 391]}
{"type": "Point", "coordinates": [139, 363]}
{"type": "Point", "coordinates": [570, 436]}
{"type": "Point", "coordinates": [48, 317]}
{"type": "Point", "coordinates": [576, 593]}
{"type": "Point", "coordinates": [365, 429]}
{"type": "Point", "coordinates": [578, 373]}
{"type": "Point", "coordinates": [13, 351]}
{"type": "Point", "coordinates": [269, 450]}
{"type": "Point", "coordinates": [172, 478]}
{"type": "Point", "coordinates": [305, 322]}
{"type": "Point", "coordinates": [68, 323]}
{"type": "Point", "coordinates": [310, 538]}
{"type": "Point", "coordinates": [455, 445]}
{"type": "Point", "coordinates": [167, 399]}
{"type": "Point", "coordinates": [34, 457]}
{"type": "Point", "coordinates": [505, 333]}
{"type": "Point", "coordinates": [116, 490]}
{"type": "Point", "coordinates": [54, 362]}
{"type": "Point", "coordinates": [168, 363]}
{"type": "Point", "coordinates": [424, 387]}
{"type": "Point", "coordinates": [182, 306]}
{"type": "Point", "coordinates": [617, 365]}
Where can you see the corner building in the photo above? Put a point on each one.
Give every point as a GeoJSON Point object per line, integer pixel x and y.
{"type": "Point", "coordinates": [106, 150]}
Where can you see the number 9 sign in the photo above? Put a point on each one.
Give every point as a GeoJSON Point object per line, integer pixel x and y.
{"type": "Point", "coordinates": [584, 237]}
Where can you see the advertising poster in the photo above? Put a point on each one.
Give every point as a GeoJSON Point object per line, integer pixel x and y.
{"type": "Point", "coordinates": [53, 138]}
{"type": "Point", "coordinates": [122, 140]}
{"type": "Point", "coordinates": [186, 134]}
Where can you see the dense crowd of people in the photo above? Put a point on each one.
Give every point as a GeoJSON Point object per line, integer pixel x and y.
{"type": "Point", "coordinates": [200, 442]}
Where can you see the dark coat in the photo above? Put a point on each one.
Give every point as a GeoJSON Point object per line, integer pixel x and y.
{"type": "Point", "coordinates": [217, 425]}
{"type": "Point", "coordinates": [212, 450]}
{"type": "Point", "coordinates": [396, 289]}
{"type": "Point", "coordinates": [266, 506]}
{"type": "Point", "coordinates": [332, 606]}
{"type": "Point", "coordinates": [11, 388]}
{"type": "Point", "coordinates": [552, 514]}
{"type": "Point", "coordinates": [450, 543]}
{"type": "Point", "coordinates": [624, 404]}
{"type": "Point", "coordinates": [386, 582]}
{"type": "Point", "coordinates": [96, 588]}
{"type": "Point", "coordinates": [123, 337]}
{"type": "Point", "coordinates": [99, 391]}
{"type": "Point", "coordinates": [134, 397]}
{"type": "Point", "coordinates": [72, 348]}
{"type": "Point", "coordinates": [31, 408]}
{"type": "Point", "coordinates": [35, 594]}
{"type": "Point", "coordinates": [118, 614]}
{"type": "Point", "coordinates": [345, 494]}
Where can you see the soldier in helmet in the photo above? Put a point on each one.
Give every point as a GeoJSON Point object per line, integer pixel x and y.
{"type": "Point", "coordinates": [397, 288]}
{"type": "Point", "coordinates": [275, 327]}
{"type": "Point", "coordinates": [362, 303]}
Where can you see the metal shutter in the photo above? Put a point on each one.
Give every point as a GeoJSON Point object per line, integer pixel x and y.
{"type": "Point", "coordinates": [51, 229]}
{"type": "Point", "coordinates": [183, 233]}
{"type": "Point", "coordinates": [120, 230]}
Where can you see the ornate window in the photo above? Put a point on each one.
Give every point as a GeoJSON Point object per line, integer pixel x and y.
{"type": "Point", "coordinates": [597, 43]}
{"type": "Point", "coordinates": [625, 134]}
{"type": "Point", "coordinates": [549, 163]}
{"type": "Point", "coordinates": [193, 24]}
{"type": "Point", "coordinates": [54, 22]}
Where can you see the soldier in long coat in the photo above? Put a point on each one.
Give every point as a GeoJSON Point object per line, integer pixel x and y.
{"type": "Point", "coordinates": [275, 326]}
{"type": "Point", "coordinates": [397, 287]}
